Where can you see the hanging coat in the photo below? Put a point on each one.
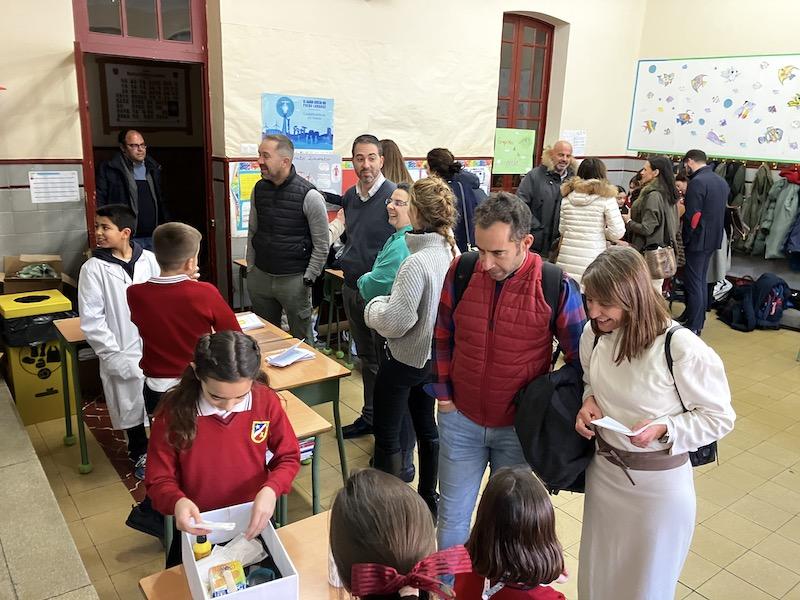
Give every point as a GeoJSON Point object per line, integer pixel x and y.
{"type": "Point", "coordinates": [765, 221]}
{"type": "Point", "coordinates": [106, 323]}
{"type": "Point", "coordinates": [783, 218]}
{"type": "Point", "coordinates": [753, 207]}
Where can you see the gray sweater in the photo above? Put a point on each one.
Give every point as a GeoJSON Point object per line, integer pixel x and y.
{"type": "Point", "coordinates": [407, 316]}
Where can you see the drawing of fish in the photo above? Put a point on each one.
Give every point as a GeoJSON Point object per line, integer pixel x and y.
{"type": "Point", "coordinates": [698, 82]}
{"type": "Point", "coordinates": [650, 95]}
{"type": "Point", "coordinates": [666, 78]}
{"type": "Point", "coordinates": [764, 64]}
{"type": "Point", "coordinates": [670, 98]}
{"type": "Point", "coordinates": [685, 117]}
{"type": "Point", "coordinates": [772, 109]}
{"type": "Point", "coordinates": [744, 110]}
{"type": "Point", "coordinates": [794, 102]}
{"type": "Point", "coordinates": [730, 74]}
{"type": "Point", "coordinates": [771, 136]}
{"type": "Point", "coordinates": [650, 126]}
{"type": "Point", "coordinates": [715, 138]}
{"type": "Point", "coordinates": [667, 131]}
{"type": "Point", "coordinates": [723, 122]}
{"type": "Point", "coordinates": [786, 72]}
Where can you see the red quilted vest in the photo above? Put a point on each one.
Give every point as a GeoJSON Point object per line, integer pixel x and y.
{"type": "Point", "coordinates": [500, 346]}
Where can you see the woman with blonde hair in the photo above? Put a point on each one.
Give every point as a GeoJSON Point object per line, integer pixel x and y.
{"type": "Point", "coordinates": [639, 508]}
{"type": "Point", "coordinates": [406, 318]}
{"type": "Point", "coordinates": [394, 167]}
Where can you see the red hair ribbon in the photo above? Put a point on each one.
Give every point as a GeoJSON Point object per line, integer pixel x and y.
{"type": "Point", "coordinates": [370, 578]}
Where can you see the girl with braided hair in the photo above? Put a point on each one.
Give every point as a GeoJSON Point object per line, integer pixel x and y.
{"type": "Point", "coordinates": [220, 438]}
{"type": "Point", "coordinates": [406, 318]}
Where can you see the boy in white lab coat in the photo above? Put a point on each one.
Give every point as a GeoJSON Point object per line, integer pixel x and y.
{"type": "Point", "coordinates": [117, 263]}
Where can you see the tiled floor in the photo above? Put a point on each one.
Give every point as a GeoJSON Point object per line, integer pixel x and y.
{"type": "Point", "coordinates": [747, 541]}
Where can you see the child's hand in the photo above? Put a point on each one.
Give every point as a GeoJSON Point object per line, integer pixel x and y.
{"type": "Point", "coordinates": [186, 515]}
{"type": "Point", "coordinates": [263, 509]}
{"type": "Point", "coordinates": [564, 577]}
{"type": "Point", "coordinates": [648, 435]}
{"type": "Point", "coordinates": [588, 413]}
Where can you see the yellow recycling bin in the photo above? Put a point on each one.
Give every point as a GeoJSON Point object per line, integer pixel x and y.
{"type": "Point", "coordinates": [34, 355]}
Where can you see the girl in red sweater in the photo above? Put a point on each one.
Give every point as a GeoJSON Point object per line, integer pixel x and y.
{"type": "Point", "coordinates": [220, 438]}
{"type": "Point", "coordinates": [514, 549]}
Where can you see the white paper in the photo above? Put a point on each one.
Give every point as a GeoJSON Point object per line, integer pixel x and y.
{"type": "Point", "coordinates": [249, 321]}
{"type": "Point", "coordinates": [576, 137]}
{"type": "Point", "coordinates": [212, 526]}
{"type": "Point", "coordinates": [290, 356]}
{"type": "Point", "coordinates": [614, 425]}
{"type": "Point", "coordinates": [53, 186]}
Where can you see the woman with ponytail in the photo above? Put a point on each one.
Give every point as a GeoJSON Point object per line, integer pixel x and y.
{"type": "Point", "coordinates": [406, 318]}
{"type": "Point", "coordinates": [220, 438]}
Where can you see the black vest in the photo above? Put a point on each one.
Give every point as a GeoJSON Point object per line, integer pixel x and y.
{"type": "Point", "coordinates": [283, 239]}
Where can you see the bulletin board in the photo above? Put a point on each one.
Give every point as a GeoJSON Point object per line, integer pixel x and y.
{"type": "Point", "coordinates": [745, 107]}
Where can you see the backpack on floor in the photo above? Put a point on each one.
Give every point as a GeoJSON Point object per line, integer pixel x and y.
{"type": "Point", "coordinates": [738, 309]}
{"type": "Point", "coordinates": [771, 293]}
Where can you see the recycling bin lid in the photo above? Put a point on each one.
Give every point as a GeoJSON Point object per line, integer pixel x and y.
{"type": "Point", "coordinates": [28, 304]}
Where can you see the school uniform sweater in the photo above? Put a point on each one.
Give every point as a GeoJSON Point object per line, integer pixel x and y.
{"type": "Point", "coordinates": [230, 460]}
{"type": "Point", "coordinates": [469, 586]}
{"type": "Point", "coordinates": [171, 314]}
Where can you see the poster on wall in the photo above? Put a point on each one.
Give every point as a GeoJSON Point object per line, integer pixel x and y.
{"type": "Point", "coordinates": [145, 97]}
{"type": "Point", "coordinates": [243, 177]}
{"type": "Point", "coordinates": [513, 151]}
{"type": "Point", "coordinates": [483, 169]}
{"type": "Point", "coordinates": [307, 121]}
{"type": "Point", "coordinates": [745, 107]}
{"type": "Point", "coordinates": [322, 170]}
{"type": "Point", "coordinates": [577, 138]}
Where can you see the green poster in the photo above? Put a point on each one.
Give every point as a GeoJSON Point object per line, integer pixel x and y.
{"type": "Point", "coordinates": [513, 151]}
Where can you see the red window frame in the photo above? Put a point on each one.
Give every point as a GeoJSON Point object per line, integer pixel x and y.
{"type": "Point", "coordinates": [508, 107]}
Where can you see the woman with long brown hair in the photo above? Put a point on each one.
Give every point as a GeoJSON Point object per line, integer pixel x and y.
{"type": "Point", "coordinates": [639, 508]}
{"type": "Point", "coordinates": [406, 318]}
{"type": "Point", "coordinates": [394, 167]}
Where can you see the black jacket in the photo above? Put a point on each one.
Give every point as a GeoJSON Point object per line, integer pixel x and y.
{"type": "Point", "coordinates": [115, 185]}
{"type": "Point", "coordinates": [704, 220]}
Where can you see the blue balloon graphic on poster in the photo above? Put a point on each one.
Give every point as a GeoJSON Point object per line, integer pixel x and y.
{"type": "Point", "coordinates": [307, 121]}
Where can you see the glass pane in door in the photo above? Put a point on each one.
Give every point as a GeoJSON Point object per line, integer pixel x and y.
{"type": "Point", "coordinates": [176, 22]}
{"type": "Point", "coordinates": [104, 16]}
{"type": "Point", "coordinates": [141, 15]}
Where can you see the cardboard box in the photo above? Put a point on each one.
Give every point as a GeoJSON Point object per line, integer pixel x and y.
{"type": "Point", "coordinates": [285, 588]}
{"type": "Point", "coordinates": [15, 285]}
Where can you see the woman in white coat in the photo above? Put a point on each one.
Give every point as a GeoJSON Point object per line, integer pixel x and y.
{"type": "Point", "coordinates": [590, 218]}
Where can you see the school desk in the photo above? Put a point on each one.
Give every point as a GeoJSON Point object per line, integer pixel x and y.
{"type": "Point", "coordinates": [331, 290]}
{"type": "Point", "coordinates": [242, 264]}
{"type": "Point", "coordinates": [306, 543]}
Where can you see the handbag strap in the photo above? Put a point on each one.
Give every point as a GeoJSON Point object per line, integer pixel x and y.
{"type": "Point", "coordinates": [670, 242]}
{"type": "Point", "coordinates": [668, 354]}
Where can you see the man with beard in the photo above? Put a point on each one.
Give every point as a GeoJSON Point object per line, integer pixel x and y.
{"type": "Point", "coordinates": [540, 189]}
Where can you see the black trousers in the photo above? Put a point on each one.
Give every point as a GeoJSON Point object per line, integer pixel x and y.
{"type": "Point", "coordinates": [694, 282]}
{"type": "Point", "coordinates": [398, 390]}
{"type": "Point", "coordinates": [137, 436]}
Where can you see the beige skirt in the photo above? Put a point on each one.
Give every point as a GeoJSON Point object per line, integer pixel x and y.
{"type": "Point", "coordinates": [635, 539]}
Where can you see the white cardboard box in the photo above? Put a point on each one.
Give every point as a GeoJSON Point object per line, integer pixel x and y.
{"type": "Point", "coordinates": [285, 588]}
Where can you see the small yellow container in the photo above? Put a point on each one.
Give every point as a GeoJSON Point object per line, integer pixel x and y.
{"type": "Point", "coordinates": [28, 304]}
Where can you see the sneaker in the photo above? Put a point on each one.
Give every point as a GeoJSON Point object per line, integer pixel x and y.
{"type": "Point", "coordinates": [145, 518]}
{"type": "Point", "coordinates": [139, 467]}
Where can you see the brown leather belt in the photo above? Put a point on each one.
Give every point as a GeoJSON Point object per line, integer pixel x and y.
{"type": "Point", "coordinates": [657, 460]}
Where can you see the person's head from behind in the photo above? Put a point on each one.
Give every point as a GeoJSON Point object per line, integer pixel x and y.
{"type": "Point", "coordinates": [398, 205]}
{"type": "Point", "coordinates": [514, 537]}
{"type": "Point", "coordinates": [275, 156]}
{"type": "Point", "coordinates": [681, 183]}
{"type": "Point", "coordinates": [176, 246]}
{"type": "Point", "coordinates": [620, 295]}
{"type": "Point", "coordinates": [592, 168]}
{"type": "Point", "coordinates": [433, 208]}
{"type": "Point", "coordinates": [502, 234]}
{"type": "Point", "coordinates": [660, 168]}
{"type": "Point", "coordinates": [367, 159]}
{"type": "Point", "coordinates": [442, 163]}
{"type": "Point", "coordinates": [222, 372]}
{"type": "Point", "coordinates": [378, 519]}
{"type": "Point", "coordinates": [561, 155]}
{"type": "Point", "coordinates": [394, 167]}
{"type": "Point", "coordinates": [132, 145]}
{"type": "Point", "coordinates": [114, 226]}
{"type": "Point", "coordinates": [693, 160]}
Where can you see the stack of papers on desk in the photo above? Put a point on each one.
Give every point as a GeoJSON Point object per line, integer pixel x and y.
{"type": "Point", "coordinates": [248, 321]}
{"type": "Point", "coordinates": [290, 356]}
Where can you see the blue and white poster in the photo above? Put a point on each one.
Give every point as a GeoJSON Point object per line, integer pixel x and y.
{"type": "Point", "coordinates": [307, 121]}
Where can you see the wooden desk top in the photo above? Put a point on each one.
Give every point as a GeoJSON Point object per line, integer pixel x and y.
{"type": "Point", "coordinates": [70, 329]}
{"type": "Point", "coordinates": [306, 542]}
{"type": "Point", "coordinates": [242, 262]}
{"type": "Point", "coordinates": [306, 372]}
{"type": "Point", "coordinates": [268, 332]}
{"type": "Point", "coordinates": [338, 273]}
{"type": "Point", "coordinates": [305, 421]}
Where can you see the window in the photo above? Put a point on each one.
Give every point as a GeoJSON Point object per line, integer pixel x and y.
{"type": "Point", "coordinates": [525, 55]}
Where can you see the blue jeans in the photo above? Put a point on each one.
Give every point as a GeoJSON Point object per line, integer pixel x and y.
{"type": "Point", "coordinates": [465, 450]}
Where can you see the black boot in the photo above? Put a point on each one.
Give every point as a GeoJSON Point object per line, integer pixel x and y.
{"type": "Point", "coordinates": [391, 463]}
{"type": "Point", "coordinates": [408, 471]}
{"type": "Point", "coordinates": [429, 475]}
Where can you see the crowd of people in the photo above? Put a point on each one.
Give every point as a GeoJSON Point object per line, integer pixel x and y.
{"type": "Point", "coordinates": [446, 297]}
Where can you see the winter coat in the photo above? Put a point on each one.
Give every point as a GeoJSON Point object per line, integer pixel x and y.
{"type": "Point", "coordinates": [106, 323]}
{"type": "Point", "coordinates": [116, 185]}
{"type": "Point", "coordinates": [754, 205]}
{"type": "Point", "coordinates": [654, 221]}
{"type": "Point", "coordinates": [540, 189]}
{"type": "Point", "coordinates": [589, 218]}
{"type": "Point", "coordinates": [467, 188]}
{"type": "Point", "coordinates": [783, 217]}
{"type": "Point", "coordinates": [734, 175]}
{"type": "Point", "coordinates": [793, 241]}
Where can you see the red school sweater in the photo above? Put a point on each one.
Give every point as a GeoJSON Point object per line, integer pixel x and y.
{"type": "Point", "coordinates": [469, 586]}
{"type": "Point", "coordinates": [226, 464]}
{"type": "Point", "coordinates": [171, 317]}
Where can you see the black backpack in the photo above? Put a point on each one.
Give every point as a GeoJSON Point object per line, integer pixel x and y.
{"type": "Point", "coordinates": [753, 304]}
{"type": "Point", "coordinates": [548, 406]}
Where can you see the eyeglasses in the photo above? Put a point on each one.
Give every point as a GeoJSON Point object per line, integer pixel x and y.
{"type": "Point", "coordinates": [399, 203]}
{"type": "Point", "coordinates": [137, 146]}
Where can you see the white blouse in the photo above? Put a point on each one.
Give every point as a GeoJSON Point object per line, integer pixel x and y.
{"type": "Point", "coordinates": [644, 389]}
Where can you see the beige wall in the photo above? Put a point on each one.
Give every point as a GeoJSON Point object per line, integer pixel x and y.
{"type": "Point", "coordinates": [39, 108]}
{"type": "Point", "coordinates": [424, 73]}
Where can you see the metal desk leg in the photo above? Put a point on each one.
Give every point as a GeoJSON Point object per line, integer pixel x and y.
{"type": "Point", "coordinates": [241, 287]}
{"type": "Point", "coordinates": [85, 466]}
{"type": "Point", "coordinates": [315, 475]}
{"type": "Point", "coordinates": [281, 515]}
{"type": "Point", "coordinates": [169, 525]}
{"type": "Point", "coordinates": [69, 436]}
{"type": "Point", "coordinates": [337, 419]}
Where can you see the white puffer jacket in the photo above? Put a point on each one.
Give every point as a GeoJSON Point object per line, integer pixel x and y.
{"type": "Point", "coordinates": [589, 218]}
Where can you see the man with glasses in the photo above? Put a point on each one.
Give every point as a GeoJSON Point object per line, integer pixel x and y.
{"type": "Point", "coordinates": [134, 179]}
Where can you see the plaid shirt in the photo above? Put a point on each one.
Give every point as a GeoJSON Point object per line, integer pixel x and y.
{"type": "Point", "coordinates": [570, 320]}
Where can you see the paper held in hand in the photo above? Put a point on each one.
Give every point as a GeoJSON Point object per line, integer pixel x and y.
{"type": "Point", "coordinates": [614, 425]}
{"type": "Point", "coordinates": [290, 356]}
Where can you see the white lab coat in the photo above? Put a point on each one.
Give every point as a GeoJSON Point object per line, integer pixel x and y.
{"type": "Point", "coordinates": [106, 323]}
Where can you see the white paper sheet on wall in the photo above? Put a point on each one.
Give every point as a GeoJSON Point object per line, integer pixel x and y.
{"type": "Point", "coordinates": [53, 186]}
{"type": "Point", "coordinates": [576, 137]}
